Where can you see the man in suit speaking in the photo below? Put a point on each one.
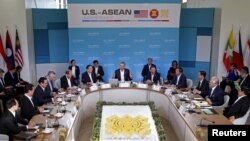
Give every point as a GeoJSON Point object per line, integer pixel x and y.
{"type": "Point", "coordinates": [122, 74]}
{"type": "Point", "coordinates": [146, 68]}
{"type": "Point", "coordinates": [179, 80]}
{"type": "Point", "coordinates": [216, 94]}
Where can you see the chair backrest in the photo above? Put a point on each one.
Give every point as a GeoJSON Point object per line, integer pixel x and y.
{"type": "Point", "coordinates": [1, 107]}
{"type": "Point", "coordinates": [4, 137]}
{"type": "Point", "coordinates": [58, 83]}
{"type": "Point", "coordinates": [189, 83]}
{"type": "Point", "coordinates": [225, 104]}
{"type": "Point", "coordinates": [242, 120]}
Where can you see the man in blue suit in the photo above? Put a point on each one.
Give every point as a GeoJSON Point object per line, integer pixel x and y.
{"type": "Point", "coordinates": [216, 93]}
{"type": "Point", "coordinates": [179, 80]}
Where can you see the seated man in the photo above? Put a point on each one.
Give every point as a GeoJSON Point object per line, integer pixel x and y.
{"type": "Point", "coordinates": [153, 77]}
{"type": "Point", "coordinates": [50, 89]}
{"type": "Point", "coordinates": [40, 97]}
{"type": "Point", "coordinates": [75, 71]}
{"type": "Point", "coordinates": [67, 80]}
{"type": "Point", "coordinates": [216, 94]}
{"type": "Point", "coordinates": [179, 80]}
{"type": "Point", "coordinates": [122, 74]}
{"type": "Point", "coordinates": [240, 106]}
{"type": "Point", "coordinates": [28, 109]}
{"type": "Point", "coordinates": [146, 69]}
{"type": "Point", "coordinates": [6, 92]}
{"type": "Point", "coordinates": [98, 70]}
{"type": "Point", "coordinates": [9, 122]}
{"type": "Point", "coordinates": [17, 76]}
{"type": "Point", "coordinates": [9, 77]}
{"type": "Point", "coordinates": [203, 85]}
{"type": "Point", "coordinates": [88, 77]}
{"type": "Point", "coordinates": [244, 79]}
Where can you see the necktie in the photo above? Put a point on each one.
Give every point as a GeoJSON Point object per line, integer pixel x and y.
{"type": "Point", "coordinates": [1, 82]}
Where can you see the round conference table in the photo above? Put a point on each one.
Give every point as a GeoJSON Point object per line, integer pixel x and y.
{"type": "Point", "coordinates": [184, 125]}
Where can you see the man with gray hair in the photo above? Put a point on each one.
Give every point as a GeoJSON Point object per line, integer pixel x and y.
{"type": "Point", "coordinates": [50, 90]}
{"type": "Point", "coordinates": [216, 94]}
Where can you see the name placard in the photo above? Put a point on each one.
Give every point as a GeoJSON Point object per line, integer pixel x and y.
{"type": "Point", "coordinates": [141, 85]}
{"type": "Point", "coordinates": [105, 86]}
{"type": "Point", "coordinates": [124, 85]}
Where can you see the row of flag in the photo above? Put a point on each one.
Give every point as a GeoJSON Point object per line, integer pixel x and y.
{"type": "Point", "coordinates": [231, 55]}
{"type": "Point", "coordinates": [9, 58]}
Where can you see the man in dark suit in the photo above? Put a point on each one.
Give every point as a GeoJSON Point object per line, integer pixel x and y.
{"type": "Point", "coordinates": [216, 93]}
{"type": "Point", "coordinates": [9, 122]}
{"type": "Point", "coordinates": [122, 74]}
{"type": "Point", "coordinates": [67, 80]}
{"type": "Point", "coordinates": [40, 97]}
{"type": "Point", "coordinates": [244, 77]}
{"type": "Point", "coordinates": [203, 85]}
{"type": "Point", "coordinates": [89, 77]}
{"type": "Point", "coordinates": [146, 69]}
{"type": "Point", "coordinates": [9, 77]}
{"type": "Point", "coordinates": [240, 106]}
{"type": "Point", "coordinates": [179, 80]}
{"type": "Point", "coordinates": [17, 76]}
{"type": "Point", "coordinates": [75, 71]}
{"type": "Point", "coordinates": [153, 76]}
{"type": "Point", "coordinates": [28, 109]}
{"type": "Point", "coordinates": [6, 92]}
{"type": "Point", "coordinates": [98, 70]}
{"type": "Point", "coordinates": [50, 89]}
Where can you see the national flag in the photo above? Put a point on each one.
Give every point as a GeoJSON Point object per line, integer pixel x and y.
{"type": "Point", "coordinates": [3, 53]}
{"type": "Point", "coordinates": [9, 51]}
{"type": "Point", "coordinates": [140, 13]}
{"type": "Point", "coordinates": [18, 52]}
{"type": "Point", "coordinates": [247, 54]}
{"type": "Point", "coordinates": [228, 53]}
{"type": "Point", "coordinates": [238, 57]}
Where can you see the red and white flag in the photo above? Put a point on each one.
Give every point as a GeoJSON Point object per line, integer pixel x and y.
{"type": "Point", "coordinates": [18, 52]}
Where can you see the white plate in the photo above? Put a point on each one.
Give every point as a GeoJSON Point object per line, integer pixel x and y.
{"type": "Point", "coordinates": [70, 95]}
{"type": "Point", "coordinates": [59, 99]}
{"type": "Point", "coordinates": [65, 103]}
{"type": "Point", "coordinates": [58, 115]}
{"type": "Point", "coordinates": [48, 130]}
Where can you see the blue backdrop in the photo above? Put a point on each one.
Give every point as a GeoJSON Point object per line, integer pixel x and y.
{"type": "Point", "coordinates": [132, 45]}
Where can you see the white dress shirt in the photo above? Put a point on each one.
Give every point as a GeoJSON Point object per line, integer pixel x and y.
{"type": "Point", "coordinates": [178, 78]}
{"type": "Point", "coordinates": [1, 81]}
{"type": "Point", "coordinates": [122, 75]}
{"type": "Point", "coordinates": [96, 70]}
{"type": "Point", "coordinates": [74, 71]}
{"type": "Point", "coordinates": [30, 98]}
{"type": "Point", "coordinates": [69, 82]}
{"type": "Point", "coordinates": [13, 113]}
{"type": "Point", "coordinates": [239, 98]}
{"type": "Point", "coordinates": [152, 77]}
{"type": "Point", "coordinates": [243, 80]}
{"type": "Point", "coordinates": [90, 76]}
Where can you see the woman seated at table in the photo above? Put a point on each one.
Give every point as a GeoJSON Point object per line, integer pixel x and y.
{"type": "Point", "coordinates": [240, 106]}
{"type": "Point", "coordinates": [171, 71]}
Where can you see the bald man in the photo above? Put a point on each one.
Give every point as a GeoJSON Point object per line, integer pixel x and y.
{"type": "Point", "coordinates": [216, 93]}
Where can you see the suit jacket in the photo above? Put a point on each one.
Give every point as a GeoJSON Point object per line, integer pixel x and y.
{"type": "Point", "coordinates": [28, 110]}
{"type": "Point", "coordinates": [40, 97]}
{"type": "Point", "coordinates": [17, 77]}
{"type": "Point", "coordinates": [145, 70]}
{"type": "Point", "coordinates": [156, 78]}
{"type": "Point", "coordinates": [246, 82]}
{"type": "Point", "coordinates": [48, 89]}
{"type": "Point", "coordinates": [126, 75]}
{"type": "Point", "coordinates": [86, 78]}
{"type": "Point", "coordinates": [64, 82]}
{"type": "Point", "coordinates": [77, 71]}
{"type": "Point", "coordinates": [217, 97]}
{"type": "Point", "coordinates": [182, 81]}
{"type": "Point", "coordinates": [169, 76]}
{"type": "Point", "coordinates": [240, 108]}
{"type": "Point", "coordinates": [100, 71]}
{"type": "Point", "coordinates": [9, 79]}
{"type": "Point", "coordinates": [203, 87]}
{"type": "Point", "coordinates": [9, 124]}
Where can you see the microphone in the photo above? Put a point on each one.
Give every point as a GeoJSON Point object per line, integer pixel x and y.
{"type": "Point", "coordinates": [204, 125]}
